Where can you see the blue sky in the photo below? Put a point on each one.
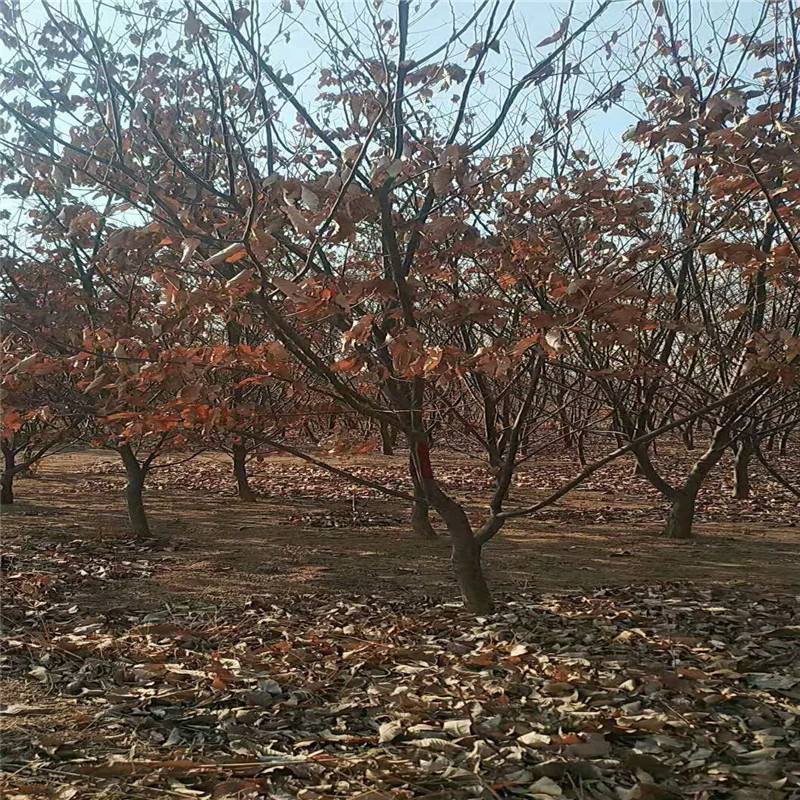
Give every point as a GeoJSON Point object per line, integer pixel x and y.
{"type": "Point", "coordinates": [431, 21]}
{"type": "Point", "coordinates": [532, 21]}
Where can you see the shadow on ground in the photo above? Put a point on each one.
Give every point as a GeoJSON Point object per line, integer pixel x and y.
{"type": "Point", "coordinates": [222, 550]}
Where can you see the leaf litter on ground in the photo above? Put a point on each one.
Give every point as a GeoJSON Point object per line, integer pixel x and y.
{"type": "Point", "coordinates": [771, 503]}
{"type": "Point", "coordinates": [634, 692]}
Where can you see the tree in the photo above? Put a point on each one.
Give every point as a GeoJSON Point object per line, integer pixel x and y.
{"type": "Point", "coordinates": [33, 425]}
{"type": "Point", "coordinates": [385, 235]}
{"type": "Point", "coordinates": [687, 246]}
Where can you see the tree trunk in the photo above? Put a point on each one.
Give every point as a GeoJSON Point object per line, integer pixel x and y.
{"type": "Point", "coordinates": [681, 514]}
{"type": "Point", "coordinates": [580, 441]}
{"type": "Point", "coordinates": [565, 430]}
{"type": "Point", "coordinates": [466, 551]}
{"type": "Point", "coordinates": [134, 496]}
{"type": "Point", "coordinates": [388, 438]}
{"type": "Point", "coordinates": [243, 489]}
{"type": "Point", "coordinates": [134, 492]}
{"type": "Point", "coordinates": [421, 521]}
{"type": "Point", "coordinates": [7, 488]}
{"type": "Point", "coordinates": [7, 481]}
{"type": "Point", "coordinates": [469, 572]}
{"type": "Point", "coordinates": [420, 511]}
{"type": "Point", "coordinates": [688, 436]}
{"type": "Point", "coordinates": [680, 518]}
{"type": "Point", "coordinates": [741, 468]}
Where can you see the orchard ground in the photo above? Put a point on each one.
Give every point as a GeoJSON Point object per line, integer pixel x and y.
{"type": "Point", "coordinates": [618, 660]}
{"type": "Point", "coordinates": [312, 532]}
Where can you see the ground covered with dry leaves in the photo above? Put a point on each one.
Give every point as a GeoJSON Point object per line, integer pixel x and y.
{"type": "Point", "coordinates": [125, 679]}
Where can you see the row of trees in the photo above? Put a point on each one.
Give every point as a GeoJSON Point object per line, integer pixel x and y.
{"type": "Point", "coordinates": [427, 248]}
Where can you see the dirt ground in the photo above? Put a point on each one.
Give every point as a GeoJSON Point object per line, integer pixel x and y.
{"type": "Point", "coordinates": [211, 547]}
{"type": "Point", "coordinates": [135, 669]}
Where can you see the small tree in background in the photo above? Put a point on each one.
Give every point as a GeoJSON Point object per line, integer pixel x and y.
{"type": "Point", "coordinates": [36, 420]}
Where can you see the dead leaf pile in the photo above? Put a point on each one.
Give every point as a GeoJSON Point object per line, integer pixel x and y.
{"type": "Point", "coordinates": [635, 692]}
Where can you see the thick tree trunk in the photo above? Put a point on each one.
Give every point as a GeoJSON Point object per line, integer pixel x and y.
{"type": "Point", "coordinates": [421, 521]}
{"type": "Point", "coordinates": [134, 492]}
{"type": "Point", "coordinates": [681, 514]}
{"type": "Point", "coordinates": [680, 518]}
{"type": "Point", "coordinates": [243, 489]}
{"type": "Point", "coordinates": [7, 488]}
{"type": "Point", "coordinates": [466, 551]}
{"type": "Point", "coordinates": [7, 481]}
{"type": "Point", "coordinates": [741, 468]}
{"type": "Point", "coordinates": [134, 496]}
{"type": "Point", "coordinates": [469, 572]}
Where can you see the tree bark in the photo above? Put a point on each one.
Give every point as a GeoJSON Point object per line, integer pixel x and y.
{"type": "Point", "coordinates": [648, 470]}
{"type": "Point", "coordinates": [580, 447]}
{"type": "Point", "coordinates": [466, 550]}
{"type": "Point", "coordinates": [680, 518]}
{"type": "Point", "coordinates": [420, 511]}
{"type": "Point", "coordinates": [243, 489]}
{"type": "Point", "coordinates": [7, 489]}
{"type": "Point", "coordinates": [741, 468]}
{"type": "Point", "coordinates": [421, 521]}
{"type": "Point", "coordinates": [134, 492]}
{"type": "Point", "coordinates": [469, 571]}
{"type": "Point", "coordinates": [7, 481]}
{"type": "Point", "coordinates": [134, 495]}
{"type": "Point", "coordinates": [388, 438]}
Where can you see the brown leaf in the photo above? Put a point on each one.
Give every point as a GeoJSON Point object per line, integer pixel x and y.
{"type": "Point", "coordinates": [562, 29]}
{"type": "Point", "coordinates": [237, 256]}
{"type": "Point", "coordinates": [595, 747]}
{"type": "Point", "coordinates": [389, 731]}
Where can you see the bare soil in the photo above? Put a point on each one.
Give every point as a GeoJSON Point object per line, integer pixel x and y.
{"type": "Point", "coordinates": [219, 549]}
